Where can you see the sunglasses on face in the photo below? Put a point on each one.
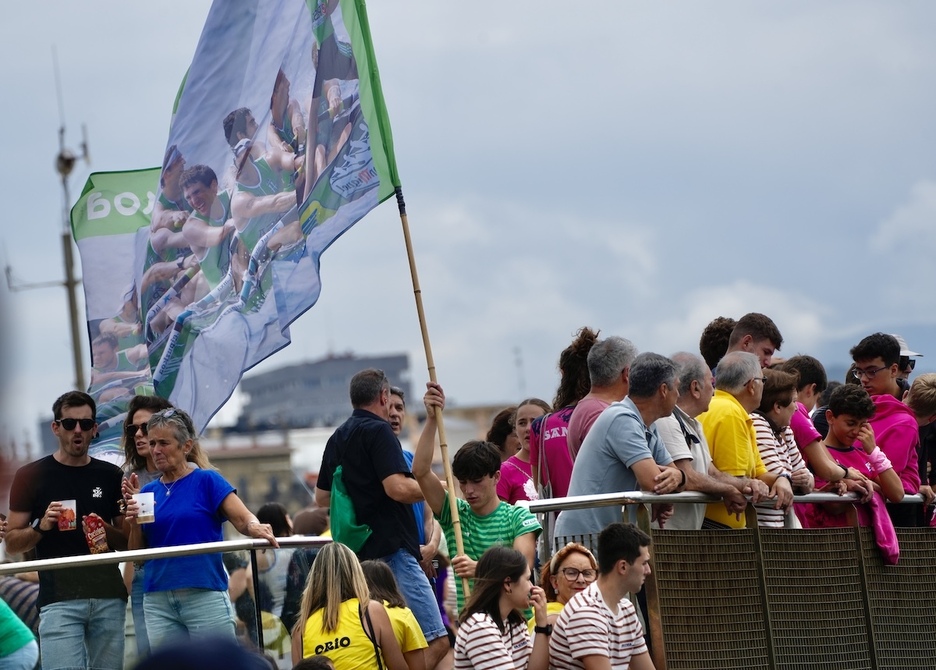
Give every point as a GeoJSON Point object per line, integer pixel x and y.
{"type": "Point", "coordinates": [69, 424]}
{"type": "Point", "coordinates": [134, 427]}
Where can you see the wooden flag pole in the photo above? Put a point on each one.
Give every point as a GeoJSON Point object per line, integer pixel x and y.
{"type": "Point", "coordinates": [443, 444]}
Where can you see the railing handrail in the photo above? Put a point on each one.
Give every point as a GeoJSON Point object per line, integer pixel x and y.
{"type": "Point", "coordinates": [638, 497]}
{"type": "Point", "coordinates": [163, 552]}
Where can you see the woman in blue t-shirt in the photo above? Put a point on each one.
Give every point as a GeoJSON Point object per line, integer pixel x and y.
{"type": "Point", "coordinates": [187, 595]}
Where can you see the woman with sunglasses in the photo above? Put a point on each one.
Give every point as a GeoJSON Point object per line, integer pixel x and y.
{"type": "Point", "coordinates": [570, 571]}
{"type": "Point", "coordinates": [492, 632]}
{"type": "Point", "coordinates": [140, 469]}
{"type": "Point", "coordinates": [187, 595]}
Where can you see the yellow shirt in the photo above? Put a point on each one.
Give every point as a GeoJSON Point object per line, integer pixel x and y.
{"type": "Point", "coordinates": [729, 431]}
{"type": "Point", "coordinates": [348, 646]}
{"type": "Point", "coordinates": [406, 629]}
{"type": "Point", "coordinates": [552, 607]}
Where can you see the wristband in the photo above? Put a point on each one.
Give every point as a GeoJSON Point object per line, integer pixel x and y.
{"type": "Point", "coordinates": [682, 484]}
{"type": "Point", "coordinates": [879, 461]}
{"type": "Point", "coordinates": [787, 477]}
{"type": "Point", "coordinates": [844, 470]}
{"type": "Point", "coordinates": [543, 630]}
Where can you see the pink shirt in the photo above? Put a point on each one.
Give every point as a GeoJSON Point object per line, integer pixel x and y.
{"type": "Point", "coordinates": [516, 481]}
{"type": "Point", "coordinates": [897, 434]}
{"type": "Point", "coordinates": [804, 432]}
{"type": "Point", "coordinates": [555, 461]}
{"type": "Point", "coordinates": [583, 416]}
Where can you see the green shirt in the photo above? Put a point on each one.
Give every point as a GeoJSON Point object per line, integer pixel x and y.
{"type": "Point", "coordinates": [479, 533]}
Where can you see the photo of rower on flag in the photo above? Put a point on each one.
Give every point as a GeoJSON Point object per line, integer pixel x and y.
{"type": "Point", "coordinates": [277, 129]}
{"type": "Point", "coordinates": [279, 142]}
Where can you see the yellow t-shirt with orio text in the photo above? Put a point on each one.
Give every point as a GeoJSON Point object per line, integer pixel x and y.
{"type": "Point", "coordinates": [348, 646]}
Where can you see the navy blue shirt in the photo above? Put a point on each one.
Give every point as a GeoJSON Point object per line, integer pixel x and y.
{"type": "Point", "coordinates": [369, 452]}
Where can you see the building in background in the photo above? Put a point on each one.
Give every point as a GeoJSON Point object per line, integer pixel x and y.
{"type": "Point", "coordinates": [311, 394]}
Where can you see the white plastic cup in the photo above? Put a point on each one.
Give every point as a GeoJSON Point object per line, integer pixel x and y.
{"type": "Point", "coordinates": [68, 519]}
{"type": "Point", "coordinates": [147, 503]}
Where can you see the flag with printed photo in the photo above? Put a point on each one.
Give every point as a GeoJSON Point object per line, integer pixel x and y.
{"type": "Point", "coordinates": [279, 143]}
{"type": "Point", "coordinates": [110, 221]}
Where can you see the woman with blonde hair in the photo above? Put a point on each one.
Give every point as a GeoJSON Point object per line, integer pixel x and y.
{"type": "Point", "coordinates": [337, 618]}
{"type": "Point", "coordinates": [570, 571]}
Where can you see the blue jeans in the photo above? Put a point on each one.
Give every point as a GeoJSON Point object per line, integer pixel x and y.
{"type": "Point", "coordinates": [139, 623]}
{"type": "Point", "coordinates": [24, 658]}
{"type": "Point", "coordinates": [418, 593]}
{"type": "Point", "coordinates": [89, 633]}
{"type": "Point", "coordinates": [187, 613]}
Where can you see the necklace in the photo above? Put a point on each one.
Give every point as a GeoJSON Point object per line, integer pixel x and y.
{"type": "Point", "coordinates": [168, 488]}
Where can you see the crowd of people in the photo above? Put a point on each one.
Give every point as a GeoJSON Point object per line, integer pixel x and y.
{"type": "Point", "coordinates": [733, 421]}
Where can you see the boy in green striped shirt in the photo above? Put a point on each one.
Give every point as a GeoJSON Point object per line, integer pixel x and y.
{"type": "Point", "coordinates": [485, 520]}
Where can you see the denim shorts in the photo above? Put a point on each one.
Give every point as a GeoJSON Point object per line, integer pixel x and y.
{"type": "Point", "coordinates": [187, 613]}
{"type": "Point", "coordinates": [87, 633]}
{"type": "Point", "coordinates": [418, 593]}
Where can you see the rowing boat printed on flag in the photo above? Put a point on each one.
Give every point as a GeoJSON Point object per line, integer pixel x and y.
{"type": "Point", "coordinates": [279, 143]}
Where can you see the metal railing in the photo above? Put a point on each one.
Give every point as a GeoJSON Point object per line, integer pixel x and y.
{"type": "Point", "coordinates": [776, 598]}
{"type": "Point", "coordinates": [116, 557]}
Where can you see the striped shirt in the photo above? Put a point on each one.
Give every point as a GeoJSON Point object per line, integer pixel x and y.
{"type": "Point", "coordinates": [781, 456]}
{"type": "Point", "coordinates": [587, 627]}
{"type": "Point", "coordinates": [480, 645]}
{"type": "Point", "coordinates": [479, 533]}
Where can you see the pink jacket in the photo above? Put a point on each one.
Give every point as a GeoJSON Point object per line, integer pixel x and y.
{"type": "Point", "coordinates": [897, 434]}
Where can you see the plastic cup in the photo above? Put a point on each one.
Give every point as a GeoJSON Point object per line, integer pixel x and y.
{"type": "Point", "coordinates": [68, 518]}
{"type": "Point", "coordinates": [147, 503]}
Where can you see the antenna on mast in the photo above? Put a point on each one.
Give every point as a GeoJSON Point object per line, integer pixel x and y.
{"type": "Point", "coordinates": [65, 163]}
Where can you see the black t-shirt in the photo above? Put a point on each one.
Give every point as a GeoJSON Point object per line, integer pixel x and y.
{"type": "Point", "coordinates": [95, 487]}
{"type": "Point", "coordinates": [369, 452]}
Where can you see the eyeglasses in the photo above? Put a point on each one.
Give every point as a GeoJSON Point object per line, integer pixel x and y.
{"type": "Point", "coordinates": [762, 380]}
{"type": "Point", "coordinates": [911, 363]}
{"type": "Point", "coordinates": [869, 373]}
{"type": "Point", "coordinates": [572, 574]}
{"type": "Point", "coordinates": [166, 413]}
{"type": "Point", "coordinates": [69, 424]}
{"type": "Point", "coordinates": [134, 427]}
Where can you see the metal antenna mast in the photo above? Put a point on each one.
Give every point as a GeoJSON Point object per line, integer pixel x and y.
{"type": "Point", "coordinates": [64, 164]}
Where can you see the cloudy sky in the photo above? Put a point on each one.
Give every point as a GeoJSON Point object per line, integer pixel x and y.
{"type": "Point", "coordinates": [636, 167]}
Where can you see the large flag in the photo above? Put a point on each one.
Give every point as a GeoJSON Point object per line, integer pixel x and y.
{"type": "Point", "coordinates": [279, 143]}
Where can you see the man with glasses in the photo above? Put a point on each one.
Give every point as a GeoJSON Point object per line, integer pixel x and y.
{"type": "Point", "coordinates": [729, 430]}
{"type": "Point", "coordinates": [82, 611]}
{"type": "Point", "coordinates": [895, 427]}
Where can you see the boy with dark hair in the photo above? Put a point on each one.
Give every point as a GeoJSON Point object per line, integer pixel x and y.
{"type": "Point", "coordinates": [895, 426]}
{"type": "Point", "coordinates": [851, 441]}
{"type": "Point", "coordinates": [598, 627]}
{"type": "Point", "coordinates": [484, 518]}
{"type": "Point", "coordinates": [756, 334]}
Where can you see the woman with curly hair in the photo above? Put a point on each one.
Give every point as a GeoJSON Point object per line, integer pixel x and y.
{"type": "Point", "coordinates": [571, 570]}
{"type": "Point", "coordinates": [549, 450]}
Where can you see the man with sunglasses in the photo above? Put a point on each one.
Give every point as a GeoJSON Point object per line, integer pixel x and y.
{"type": "Point", "coordinates": [82, 611]}
{"type": "Point", "coordinates": [896, 431]}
